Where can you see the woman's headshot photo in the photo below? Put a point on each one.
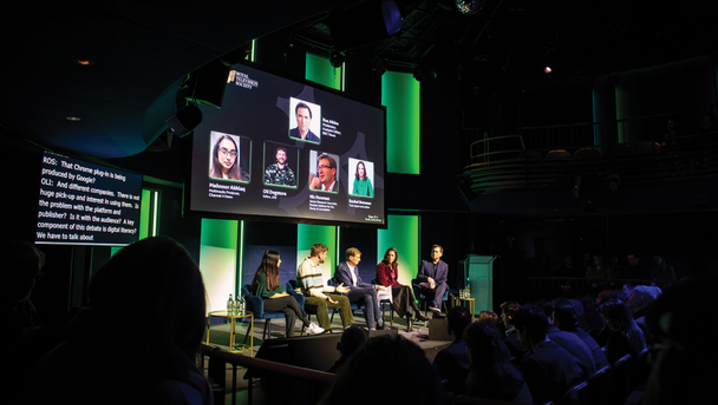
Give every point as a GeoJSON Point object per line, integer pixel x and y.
{"type": "Point", "coordinates": [362, 172]}
{"type": "Point", "coordinates": [225, 160]}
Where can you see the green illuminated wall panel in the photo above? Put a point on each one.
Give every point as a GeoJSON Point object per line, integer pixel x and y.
{"type": "Point", "coordinates": [400, 93]}
{"type": "Point", "coordinates": [307, 235]}
{"type": "Point", "coordinates": [218, 260]}
{"type": "Point", "coordinates": [402, 234]}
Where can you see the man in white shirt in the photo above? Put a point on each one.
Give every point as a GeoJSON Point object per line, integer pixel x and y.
{"type": "Point", "coordinates": [310, 280]}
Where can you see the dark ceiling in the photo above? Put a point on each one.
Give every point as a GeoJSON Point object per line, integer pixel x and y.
{"type": "Point", "coordinates": [141, 51]}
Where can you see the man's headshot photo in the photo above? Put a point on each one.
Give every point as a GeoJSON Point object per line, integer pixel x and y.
{"type": "Point", "coordinates": [302, 121]}
{"type": "Point", "coordinates": [324, 178]}
{"type": "Point", "coordinates": [279, 173]}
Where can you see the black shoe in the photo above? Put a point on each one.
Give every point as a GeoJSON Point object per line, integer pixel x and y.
{"type": "Point", "coordinates": [420, 317]}
{"type": "Point", "coordinates": [380, 324]}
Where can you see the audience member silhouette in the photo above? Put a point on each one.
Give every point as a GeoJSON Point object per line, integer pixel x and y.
{"type": "Point", "coordinates": [452, 363]}
{"type": "Point", "coordinates": [638, 302]}
{"type": "Point", "coordinates": [549, 370]}
{"type": "Point", "coordinates": [626, 337]}
{"type": "Point", "coordinates": [352, 339]}
{"type": "Point", "coordinates": [491, 374]}
{"type": "Point", "coordinates": [21, 333]}
{"type": "Point", "coordinates": [511, 339]}
{"type": "Point", "coordinates": [564, 318]}
{"type": "Point", "coordinates": [136, 342]}
{"type": "Point", "coordinates": [386, 361]}
{"type": "Point", "coordinates": [686, 357]}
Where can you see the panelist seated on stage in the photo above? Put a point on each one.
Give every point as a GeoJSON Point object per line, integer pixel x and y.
{"type": "Point", "coordinates": [403, 301]}
{"type": "Point", "coordinates": [265, 284]}
{"type": "Point", "coordinates": [432, 278]}
{"type": "Point", "coordinates": [360, 292]}
{"type": "Point", "coordinates": [312, 284]}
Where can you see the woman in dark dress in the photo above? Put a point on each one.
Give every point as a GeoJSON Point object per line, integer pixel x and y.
{"type": "Point", "coordinates": [403, 300]}
{"type": "Point", "coordinates": [266, 285]}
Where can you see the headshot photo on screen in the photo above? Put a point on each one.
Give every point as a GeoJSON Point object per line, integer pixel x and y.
{"type": "Point", "coordinates": [361, 174]}
{"type": "Point", "coordinates": [281, 163]}
{"type": "Point", "coordinates": [226, 155]}
{"type": "Point", "coordinates": [304, 121]}
{"type": "Point", "coordinates": [323, 171]}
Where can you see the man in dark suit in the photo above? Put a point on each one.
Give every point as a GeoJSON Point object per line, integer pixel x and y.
{"type": "Point", "coordinates": [304, 121]}
{"type": "Point", "coordinates": [360, 292]}
{"type": "Point", "coordinates": [432, 278]}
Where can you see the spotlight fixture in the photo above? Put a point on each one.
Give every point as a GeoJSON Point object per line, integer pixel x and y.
{"type": "Point", "coordinates": [336, 58]}
{"type": "Point", "coordinates": [469, 7]}
{"type": "Point", "coordinates": [84, 62]}
{"type": "Point", "coordinates": [185, 121]}
{"type": "Point", "coordinates": [424, 72]}
{"type": "Point", "coordinates": [377, 66]}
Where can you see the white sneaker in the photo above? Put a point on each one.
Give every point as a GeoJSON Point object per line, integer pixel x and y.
{"type": "Point", "coordinates": [314, 329]}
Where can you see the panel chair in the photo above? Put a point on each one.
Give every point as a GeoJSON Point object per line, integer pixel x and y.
{"type": "Point", "coordinates": [255, 304]}
{"type": "Point", "coordinates": [423, 300]}
{"type": "Point", "coordinates": [384, 303]}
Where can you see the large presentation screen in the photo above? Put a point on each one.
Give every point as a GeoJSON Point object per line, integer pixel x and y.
{"type": "Point", "coordinates": [288, 149]}
{"type": "Point", "coordinates": [82, 203]}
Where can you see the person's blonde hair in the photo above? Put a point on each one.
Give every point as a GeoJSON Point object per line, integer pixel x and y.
{"type": "Point", "coordinates": [317, 249]}
{"type": "Point", "coordinates": [352, 251]}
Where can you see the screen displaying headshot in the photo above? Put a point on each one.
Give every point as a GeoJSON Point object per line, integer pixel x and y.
{"type": "Point", "coordinates": [361, 176]}
{"type": "Point", "coordinates": [305, 122]}
{"type": "Point", "coordinates": [280, 162]}
{"type": "Point", "coordinates": [227, 155]}
{"type": "Point", "coordinates": [323, 171]}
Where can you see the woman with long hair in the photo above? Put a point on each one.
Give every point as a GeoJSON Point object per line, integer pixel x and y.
{"type": "Point", "coordinates": [403, 301]}
{"type": "Point", "coordinates": [491, 375]}
{"type": "Point", "coordinates": [265, 284]}
{"type": "Point", "coordinates": [626, 337]}
{"type": "Point", "coordinates": [362, 184]}
{"type": "Point", "coordinates": [224, 160]}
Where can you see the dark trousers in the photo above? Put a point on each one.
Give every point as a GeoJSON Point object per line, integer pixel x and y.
{"type": "Point", "coordinates": [435, 296]}
{"type": "Point", "coordinates": [368, 297]}
{"type": "Point", "coordinates": [290, 307]}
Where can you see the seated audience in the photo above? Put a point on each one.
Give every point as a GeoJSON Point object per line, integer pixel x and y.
{"type": "Point", "coordinates": [491, 375]}
{"type": "Point", "coordinates": [686, 357]}
{"type": "Point", "coordinates": [590, 320]}
{"type": "Point", "coordinates": [564, 319]}
{"type": "Point", "coordinates": [639, 301]}
{"type": "Point", "coordinates": [21, 334]}
{"type": "Point", "coordinates": [626, 337]}
{"type": "Point", "coordinates": [508, 310]}
{"type": "Point", "coordinates": [569, 342]}
{"type": "Point", "coordinates": [548, 370]}
{"type": "Point", "coordinates": [385, 361]}
{"type": "Point", "coordinates": [136, 342]}
{"type": "Point", "coordinates": [452, 363]}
